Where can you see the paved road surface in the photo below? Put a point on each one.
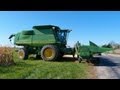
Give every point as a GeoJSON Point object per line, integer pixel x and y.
{"type": "Point", "coordinates": [109, 67]}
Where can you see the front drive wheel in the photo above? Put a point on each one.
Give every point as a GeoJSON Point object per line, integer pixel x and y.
{"type": "Point", "coordinates": [49, 52]}
{"type": "Point", "coordinates": [23, 54]}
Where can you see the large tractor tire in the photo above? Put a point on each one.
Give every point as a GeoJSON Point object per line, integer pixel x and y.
{"type": "Point", "coordinates": [23, 54]}
{"type": "Point", "coordinates": [49, 52]}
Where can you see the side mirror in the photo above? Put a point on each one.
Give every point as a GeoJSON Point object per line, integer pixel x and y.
{"type": "Point", "coordinates": [11, 36]}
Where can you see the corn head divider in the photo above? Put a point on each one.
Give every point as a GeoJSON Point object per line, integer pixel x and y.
{"type": "Point", "coordinates": [87, 52]}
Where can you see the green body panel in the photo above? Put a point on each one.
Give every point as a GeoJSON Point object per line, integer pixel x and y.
{"type": "Point", "coordinates": [21, 39]}
{"type": "Point", "coordinates": [35, 37]}
{"type": "Point", "coordinates": [44, 37]}
{"type": "Point", "coordinates": [84, 51]}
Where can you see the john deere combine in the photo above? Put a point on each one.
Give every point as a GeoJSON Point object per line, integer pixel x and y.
{"type": "Point", "coordinates": [49, 42]}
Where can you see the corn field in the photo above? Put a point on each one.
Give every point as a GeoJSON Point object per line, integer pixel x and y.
{"type": "Point", "coordinates": [6, 56]}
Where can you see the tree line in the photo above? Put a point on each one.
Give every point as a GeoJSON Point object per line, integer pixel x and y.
{"type": "Point", "coordinates": [112, 44]}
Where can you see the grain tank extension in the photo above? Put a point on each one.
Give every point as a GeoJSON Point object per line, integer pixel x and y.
{"type": "Point", "coordinates": [46, 41]}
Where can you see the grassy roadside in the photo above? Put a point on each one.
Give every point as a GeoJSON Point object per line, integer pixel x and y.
{"type": "Point", "coordinates": [39, 69]}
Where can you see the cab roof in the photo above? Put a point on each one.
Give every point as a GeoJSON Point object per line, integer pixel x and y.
{"type": "Point", "coordinates": [38, 27]}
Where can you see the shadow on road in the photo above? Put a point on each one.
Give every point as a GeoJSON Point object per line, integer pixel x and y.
{"type": "Point", "coordinates": [104, 61]}
{"type": "Point", "coordinates": [110, 67]}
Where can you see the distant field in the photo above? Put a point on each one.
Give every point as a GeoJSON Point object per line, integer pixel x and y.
{"type": "Point", "coordinates": [39, 69]}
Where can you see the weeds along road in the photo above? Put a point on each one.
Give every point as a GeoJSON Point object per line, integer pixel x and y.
{"type": "Point", "coordinates": [109, 67]}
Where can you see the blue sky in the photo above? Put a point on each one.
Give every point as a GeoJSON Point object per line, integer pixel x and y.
{"type": "Point", "coordinates": [100, 27]}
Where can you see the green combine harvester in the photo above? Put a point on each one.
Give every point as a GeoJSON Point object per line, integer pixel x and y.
{"type": "Point", "coordinates": [49, 42]}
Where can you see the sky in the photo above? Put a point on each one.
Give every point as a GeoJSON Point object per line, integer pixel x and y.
{"type": "Point", "coordinates": [101, 27]}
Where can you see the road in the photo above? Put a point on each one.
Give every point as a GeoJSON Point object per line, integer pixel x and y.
{"type": "Point", "coordinates": [109, 67]}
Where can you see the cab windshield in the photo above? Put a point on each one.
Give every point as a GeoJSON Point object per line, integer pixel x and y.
{"type": "Point", "coordinates": [62, 35]}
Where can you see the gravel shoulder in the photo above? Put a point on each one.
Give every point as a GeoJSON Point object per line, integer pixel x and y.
{"type": "Point", "coordinates": [109, 67]}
